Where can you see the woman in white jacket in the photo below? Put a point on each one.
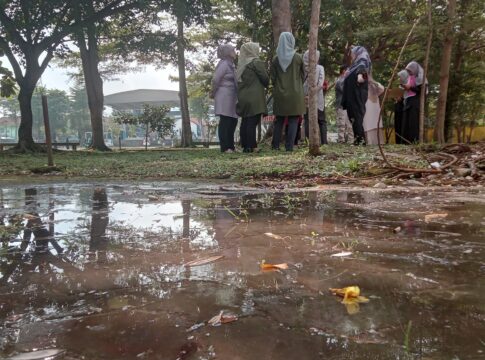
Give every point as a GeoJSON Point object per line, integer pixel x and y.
{"type": "Point", "coordinates": [372, 111]}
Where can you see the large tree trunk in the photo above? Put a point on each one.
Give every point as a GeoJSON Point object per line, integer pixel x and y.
{"type": "Point", "coordinates": [422, 99]}
{"type": "Point", "coordinates": [455, 89]}
{"type": "Point", "coordinates": [281, 20]}
{"type": "Point", "coordinates": [314, 146]}
{"type": "Point", "coordinates": [439, 131]}
{"type": "Point", "coordinates": [27, 84]}
{"type": "Point", "coordinates": [184, 105]}
{"type": "Point", "coordinates": [281, 17]}
{"type": "Point", "coordinates": [94, 84]}
{"type": "Point", "coordinates": [26, 141]}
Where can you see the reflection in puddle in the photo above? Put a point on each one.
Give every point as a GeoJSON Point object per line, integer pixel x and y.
{"type": "Point", "coordinates": [98, 271]}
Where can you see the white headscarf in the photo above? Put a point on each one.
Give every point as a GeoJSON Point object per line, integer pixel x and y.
{"type": "Point", "coordinates": [306, 59]}
{"type": "Point", "coordinates": [415, 69]}
{"type": "Point", "coordinates": [249, 51]}
{"type": "Point", "coordinates": [403, 77]}
{"type": "Point", "coordinates": [285, 50]}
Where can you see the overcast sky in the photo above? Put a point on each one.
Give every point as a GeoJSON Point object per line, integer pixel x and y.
{"type": "Point", "coordinates": [147, 78]}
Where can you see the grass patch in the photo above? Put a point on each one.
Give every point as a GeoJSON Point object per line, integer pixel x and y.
{"type": "Point", "coordinates": [203, 163]}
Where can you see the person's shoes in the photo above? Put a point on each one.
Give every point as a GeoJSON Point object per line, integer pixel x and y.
{"type": "Point", "coordinates": [229, 151]}
{"type": "Point", "coordinates": [359, 141]}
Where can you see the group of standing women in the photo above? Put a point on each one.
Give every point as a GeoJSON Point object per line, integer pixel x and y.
{"type": "Point", "coordinates": [357, 99]}
{"type": "Point", "coordinates": [241, 92]}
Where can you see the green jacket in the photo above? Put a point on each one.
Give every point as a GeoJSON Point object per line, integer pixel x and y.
{"type": "Point", "coordinates": [288, 97]}
{"type": "Point", "coordinates": [250, 96]}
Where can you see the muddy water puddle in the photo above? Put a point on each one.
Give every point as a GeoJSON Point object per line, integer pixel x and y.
{"type": "Point", "coordinates": [98, 271]}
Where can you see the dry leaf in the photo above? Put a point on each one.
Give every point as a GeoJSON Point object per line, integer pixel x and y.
{"type": "Point", "coordinates": [342, 254]}
{"type": "Point", "coordinates": [204, 261]}
{"type": "Point", "coordinates": [274, 236]}
{"type": "Point", "coordinates": [227, 318]}
{"type": "Point", "coordinates": [351, 298]}
{"type": "Point", "coordinates": [30, 217]}
{"type": "Point", "coordinates": [352, 307]}
{"type": "Point", "coordinates": [430, 217]}
{"type": "Point", "coordinates": [282, 266]}
{"type": "Point", "coordinates": [222, 318]}
{"type": "Point", "coordinates": [153, 198]}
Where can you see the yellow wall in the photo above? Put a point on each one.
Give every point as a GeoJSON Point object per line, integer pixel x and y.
{"type": "Point", "coordinates": [478, 134]}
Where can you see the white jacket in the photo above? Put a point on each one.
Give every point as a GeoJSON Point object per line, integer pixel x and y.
{"type": "Point", "coordinates": [320, 75]}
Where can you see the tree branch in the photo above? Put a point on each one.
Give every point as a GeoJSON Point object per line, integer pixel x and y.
{"type": "Point", "coordinates": [11, 29]}
{"type": "Point", "coordinates": [47, 59]}
{"type": "Point", "coordinates": [474, 48]}
{"type": "Point", "coordinates": [11, 58]}
{"type": "Point", "coordinates": [109, 10]}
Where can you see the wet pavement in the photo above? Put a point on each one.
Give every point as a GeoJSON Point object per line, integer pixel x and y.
{"type": "Point", "coordinates": [98, 271]}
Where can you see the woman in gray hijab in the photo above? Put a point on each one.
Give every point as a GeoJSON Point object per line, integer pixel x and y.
{"type": "Point", "coordinates": [224, 93]}
{"type": "Point", "coordinates": [287, 75]}
{"type": "Point", "coordinates": [413, 87]}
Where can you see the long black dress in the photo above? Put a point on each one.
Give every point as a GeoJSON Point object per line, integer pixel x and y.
{"type": "Point", "coordinates": [398, 120]}
{"type": "Point", "coordinates": [353, 100]}
{"type": "Point", "coordinates": [410, 126]}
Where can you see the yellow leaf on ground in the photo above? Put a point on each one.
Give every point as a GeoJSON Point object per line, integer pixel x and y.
{"type": "Point", "coordinates": [352, 307]}
{"type": "Point", "coordinates": [351, 298]}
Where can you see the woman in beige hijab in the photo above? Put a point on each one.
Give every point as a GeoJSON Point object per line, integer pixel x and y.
{"type": "Point", "coordinates": [252, 79]}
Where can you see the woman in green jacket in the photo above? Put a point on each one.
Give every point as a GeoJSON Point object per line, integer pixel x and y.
{"type": "Point", "coordinates": [252, 79]}
{"type": "Point", "coordinates": [287, 75]}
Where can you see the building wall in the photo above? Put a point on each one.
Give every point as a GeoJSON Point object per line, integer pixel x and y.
{"type": "Point", "coordinates": [8, 131]}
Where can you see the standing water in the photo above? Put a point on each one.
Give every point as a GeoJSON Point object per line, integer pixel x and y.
{"type": "Point", "coordinates": [117, 271]}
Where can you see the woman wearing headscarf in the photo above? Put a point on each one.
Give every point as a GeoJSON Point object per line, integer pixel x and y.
{"type": "Point", "coordinates": [252, 79]}
{"type": "Point", "coordinates": [287, 75]}
{"type": "Point", "coordinates": [413, 89]}
{"type": "Point", "coordinates": [319, 78]}
{"type": "Point", "coordinates": [372, 112]}
{"type": "Point", "coordinates": [224, 92]}
{"type": "Point", "coordinates": [403, 76]}
{"type": "Point", "coordinates": [356, 90]}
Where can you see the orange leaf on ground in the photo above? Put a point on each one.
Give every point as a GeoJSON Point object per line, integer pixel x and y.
{"type": "Point", "coordinates": [222, 318]}
{"type": "Point", "coordinates": [282, 266]}
{"type": "Point", "coordinates": [430, 217]}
